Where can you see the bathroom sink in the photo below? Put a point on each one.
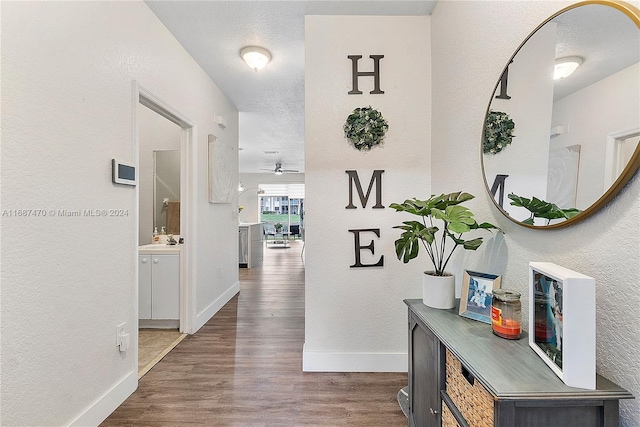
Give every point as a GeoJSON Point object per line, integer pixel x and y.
{"type": "Point", "coordinates": [159, 249]}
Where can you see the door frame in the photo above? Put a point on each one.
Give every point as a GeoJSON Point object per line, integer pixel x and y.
{"type": "Point", "coordinates": [614, 164]}
{"type": "Point", "coordinates": [188, 193]}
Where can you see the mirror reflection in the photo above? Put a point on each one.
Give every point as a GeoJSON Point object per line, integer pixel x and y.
{"type": "Point", "coordinates": [166, 191]}
{"type": "Point", "coordinates": [553, 147]}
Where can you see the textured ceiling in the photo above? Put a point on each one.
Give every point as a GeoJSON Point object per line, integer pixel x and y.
{"type": "Point", "coordinates": [270, 101]}
{"type": "Point", "coordinates": [606, 40]}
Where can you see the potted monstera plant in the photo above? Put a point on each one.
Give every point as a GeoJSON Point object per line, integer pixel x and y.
{"type": "Point", "coordinates": [440, 231]}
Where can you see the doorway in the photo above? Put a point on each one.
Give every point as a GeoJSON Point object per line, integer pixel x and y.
{"type": "Point", "coordinates": [173, 131]}
{"type": "Point", "coordinates": [159, 220]}
{"type": "Point", "coordinates": [619, 150]}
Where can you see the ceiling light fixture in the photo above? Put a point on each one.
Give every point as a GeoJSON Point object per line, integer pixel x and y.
{"type": "Point", "coordinates": [566, 66]}
{"type": "Point", "coordinates": [255, 57]}
{"type": "Point", "coordinates": [260, 190]}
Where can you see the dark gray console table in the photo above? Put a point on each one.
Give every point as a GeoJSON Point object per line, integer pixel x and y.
{"type": "Point", "coordinates": [461, 374]}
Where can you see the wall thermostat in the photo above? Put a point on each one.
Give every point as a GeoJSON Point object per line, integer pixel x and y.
{"type": "Point", "coordinates": [124, 173]}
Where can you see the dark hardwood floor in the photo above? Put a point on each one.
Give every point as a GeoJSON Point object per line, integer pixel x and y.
{"type": "Point", "coordinates": [244, 367]}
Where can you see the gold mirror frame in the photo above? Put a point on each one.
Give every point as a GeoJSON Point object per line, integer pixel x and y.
{"type": "Point", "coordinates": [632, 166]}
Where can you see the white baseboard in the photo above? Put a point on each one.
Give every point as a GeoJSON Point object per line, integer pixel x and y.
{"type": "Point", "coordinates": [318, 361]}
{"type": "Point", "coordinates": [108, 402]}
{"type": "Point", "coordinates": [206, 314]}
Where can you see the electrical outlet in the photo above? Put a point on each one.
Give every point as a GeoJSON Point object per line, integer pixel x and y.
{"type": "Point", "coordinates": [120, 331]}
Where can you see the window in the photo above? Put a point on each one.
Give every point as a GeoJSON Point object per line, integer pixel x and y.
{"type": "Point", "coordinates": [282, 204]}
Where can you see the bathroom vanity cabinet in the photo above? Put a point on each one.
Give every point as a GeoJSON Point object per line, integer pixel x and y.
{"type": "Point", "coordinates": [460, 374]}
{"type": "Point", "coordinates": [159, 282]}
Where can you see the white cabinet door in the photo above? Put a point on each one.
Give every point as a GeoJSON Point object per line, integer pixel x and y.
{"type": "Point", "coordinates": [144, 287]}
{"type": "Point", "coordinates": [243, 245]}
{"type": "Point", "coordinates": [165, 298]}
{"type": "Point", "coordinates": [256, 245]}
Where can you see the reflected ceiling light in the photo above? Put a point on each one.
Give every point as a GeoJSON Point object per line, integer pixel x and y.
{"type": "Point", "coordinates": [566, 66]}
{"type": "Point", "coordinates": [240, 187]}
{"type": "Point", "coordinates": [255, 57]}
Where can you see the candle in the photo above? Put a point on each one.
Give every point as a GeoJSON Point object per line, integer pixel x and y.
{"type": "Point", "coordinates": [506, 314]}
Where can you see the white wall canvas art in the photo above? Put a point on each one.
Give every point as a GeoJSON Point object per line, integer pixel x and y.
{"type": "Point", "coordinates": [220, 172]}
{"type": "Point", "coordinates": [562, 185]}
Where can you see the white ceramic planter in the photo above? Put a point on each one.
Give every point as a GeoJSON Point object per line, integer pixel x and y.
{"type": "Point", "coordinates": [438, 291]}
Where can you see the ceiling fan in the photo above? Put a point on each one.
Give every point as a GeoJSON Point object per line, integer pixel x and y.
{"type": "Point", "coordinates": [279, 171]}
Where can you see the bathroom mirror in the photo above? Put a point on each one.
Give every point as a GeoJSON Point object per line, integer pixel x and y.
{"type": "Point", "coordinates": [166, 190]}
{"type": "Point", "coordinates": [561, 149]}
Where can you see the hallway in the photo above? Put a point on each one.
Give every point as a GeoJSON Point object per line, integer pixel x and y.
{"type": "Point", "coordinates": [244, 367]}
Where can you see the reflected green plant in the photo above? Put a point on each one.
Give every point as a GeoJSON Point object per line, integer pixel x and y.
{"type": "Point", "coordinates": [541, 209]}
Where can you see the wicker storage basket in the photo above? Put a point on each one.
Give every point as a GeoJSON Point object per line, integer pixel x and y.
{"type": "Point", "coordinates": [474, 401]}
{"type": "Point", "coordinates": [447, 417]}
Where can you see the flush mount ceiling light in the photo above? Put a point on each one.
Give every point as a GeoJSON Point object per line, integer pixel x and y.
{"type": "Point", "coordinates": [255, 57]}
{"type": "Point", "coordinates": [566, 66]}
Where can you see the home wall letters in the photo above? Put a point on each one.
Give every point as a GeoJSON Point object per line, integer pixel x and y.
{"type": "Point", "coordinates": [376, 178]}
{"type": "Point", "coordinates": [504, 82]}
{"type": "Point", "coordinates": [354, 180]}
{"type": "Point", "coordinates": [358, 247]}
{"type": "Point", "coordinates": [375, 74]}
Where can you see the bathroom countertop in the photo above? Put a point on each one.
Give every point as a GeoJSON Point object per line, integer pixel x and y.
{"type": "Point", "coordinates": [159, 249]}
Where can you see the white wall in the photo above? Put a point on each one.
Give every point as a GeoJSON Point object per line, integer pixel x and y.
{"type": "Point", "coordinates": [249, 200]}
{"type": "Point", "coordinates": [154, 133]}
{"type": "Point", "coordinates": [217, 224]}
{"type": "Point", "coordinates": [355, 319]}
{"type": "Point", "coordinates": [606, 246]}
{"type": "Point", "coordinates": [67, 108]}
{"type": "Point", "coordinates": [613, 105]}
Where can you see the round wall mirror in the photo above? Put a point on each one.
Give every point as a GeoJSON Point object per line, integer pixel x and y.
{"type": "Point", "coordinates": [563, 124]}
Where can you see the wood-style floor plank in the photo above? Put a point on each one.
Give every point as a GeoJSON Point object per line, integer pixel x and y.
{"type": "Point", "coordinates": [244, 367]}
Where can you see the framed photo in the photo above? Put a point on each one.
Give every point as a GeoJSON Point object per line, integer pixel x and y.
{"type": "Point", "coordinates": [477, 292]}
{"type": "Point", "coordinates": [562, 315]}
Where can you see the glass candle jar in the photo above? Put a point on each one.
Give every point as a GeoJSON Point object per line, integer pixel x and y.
{"type": "Point", "coordinates": [506, 314]}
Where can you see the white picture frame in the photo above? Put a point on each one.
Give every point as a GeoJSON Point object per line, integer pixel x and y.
{"type": "Point", "coordinates": [562, 322]}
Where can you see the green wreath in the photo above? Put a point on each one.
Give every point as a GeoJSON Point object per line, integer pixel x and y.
{"type": "Point", "coordinates": [365, 128]}
{"type": "Point", "coordinates": [498, 132]}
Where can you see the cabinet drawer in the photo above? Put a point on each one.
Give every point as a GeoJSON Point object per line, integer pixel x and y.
{"type": "Point", "coordinates": [470, 397]}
